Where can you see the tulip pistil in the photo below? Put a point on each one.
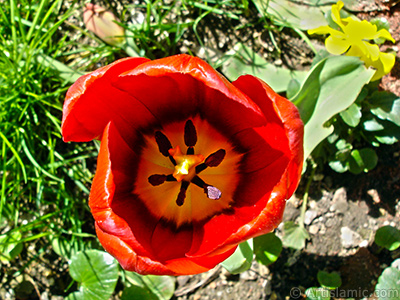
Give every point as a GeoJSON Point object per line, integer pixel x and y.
{"type": "Point", "coordinates": [187, 166]}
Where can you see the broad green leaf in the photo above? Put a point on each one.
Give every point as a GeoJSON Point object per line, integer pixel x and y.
{"type": "Point", "coordinates": [388, 237]}
{"type": "Point", "coordinates": [362, 160]}
{"type": "Point", "coordinates": [267, 248]}
{"type": "Point", "coordinates": [97, 273]}
{"type": "Point", "coordinates": [246, 61]}
{"type": "Point", "coordinates": [61, 246]}
{"type": "Point", "coordinates": [241, 259]}
{"type": "Point", "coordinates": [135, 292]}
{"type": "Point", "coordinates": [317, 293]}
{"type": "Point", "coordinates": [352, 115]}
{"type": "Point", "coordinates": [329, 280]}
{"type": "Point", "coordinates": [294, 236]}
{"type": "Point", "coordinates": [162, 287]}
{"type": "Point", "coordinates": [338, 166]}
{"type": "Point", "coordinates": [10, 247]}
{"type": "Point", "coordinates": [332, 86]}
{"type": "Point", "coordinates": [292, 14]}
{"type": "Point", "coordinates": [373, 125]}
{"type": "Point", "coordinates": [293, 88]}
{"type": "Point", "coordinates": [388, 287]}
{"type": "Point", "coordinates": [386, 106]}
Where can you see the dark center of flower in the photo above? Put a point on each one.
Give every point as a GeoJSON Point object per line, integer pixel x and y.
{"type": "Point", "coordinates": [187, 166]}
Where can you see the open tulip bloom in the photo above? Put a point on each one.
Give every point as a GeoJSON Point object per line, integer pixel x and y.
{"type": "Point", "coordinates": [353, 36]}
{"type": "Point", "coordinates": [190, 165]}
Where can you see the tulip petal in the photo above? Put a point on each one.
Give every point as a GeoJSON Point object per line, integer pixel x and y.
{"type": "Point", "coordinates": [277, 179]}
{"type": "Point", "coordinates": [92, 102]}
{"type": "Point", "coordinates": [205, 93]}
{"type": "Point", "coordinates": [288, 114]}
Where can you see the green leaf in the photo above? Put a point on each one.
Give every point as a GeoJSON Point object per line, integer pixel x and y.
{"type": "Point", "coordinates": [339, 166]}
{"type": "Point", "coordinates": [329, 280]}
{"type": "Point", "coordinates": [317, 293]}
{"type": "Point", "coordinates": [246, 61]}
{"type": "Point", "coordinates": [10, 247]}
{"type": "Point", "coordinates": [97, 273]}
{"type": "Point", "coordinates": [388, 237]}
{"type": "Point", "coordinates": [352, 115]}
{"type": "Point", "coordinates": [61, 246]}
{"type": "Point", "coordinates": [267, 248]}
{"type": "Point", "coordinates": [294, 236]}
{"type": "Point", "coordinates": [293, 88]}
{"type": "Point", "coordinates": [292, 14]}
{"type": "Point", "coordinates": [371, 124]}
{"type": "Point", "coordinates": [386, 106]}
{"type": "Point", "coordinates": [388, 287]}
{"type": "Point", "coordinates": [241, 259]}
{"type": "Point", "coordinates": [331, 86]}
{"type": "Point", "coordinates": [362, 160]}
{"type": "Point", "coordinates": [162, 287]}
{"type": "Point", "coordinates": [135, 292]}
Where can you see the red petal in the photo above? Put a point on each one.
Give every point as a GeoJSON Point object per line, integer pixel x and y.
{"type": "Point", "coordinates": [130, 261]}
{"type": "Point", "coordinates": [259, 91]}
{"type": "Point", "coordinates": [271, 172]}
{"type": "Point", "coordinates": [182, 86]}
{"type": "Point", "coordinates": [112, 185]}
{"type": "Point", "coordinates": [92, 102]}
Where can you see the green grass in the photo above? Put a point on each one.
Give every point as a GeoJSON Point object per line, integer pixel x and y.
{"type": "Point", "coordinates": [44, 182]}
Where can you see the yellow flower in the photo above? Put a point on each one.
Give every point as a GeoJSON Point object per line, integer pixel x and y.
{"type": "Point", "coordinates": [353, 37]}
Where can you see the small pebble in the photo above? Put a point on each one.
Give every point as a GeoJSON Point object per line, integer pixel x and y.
{"type": "Point", "coordinates": [350, 238]}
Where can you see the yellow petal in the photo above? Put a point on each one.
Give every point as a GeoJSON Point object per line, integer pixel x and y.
{"type": "Point", "coordinates": [335, 13]}
{"type": "Point", "coordinates": [322, 30]}
{"type": "Point", "coordinates": [372, 50]}
{"type": "Point", "coordinates": [356, 51]}
{"type": "Point", "coordinates": [360, 30]}
{"type": "Point", "coordinates": [383, 33]}
{"type": "Point", "coordinates": [388, 61]}
{"type": "Point", "coordinates": [336, 46]}
{"type": "Point", "coordinates": [382, 65]}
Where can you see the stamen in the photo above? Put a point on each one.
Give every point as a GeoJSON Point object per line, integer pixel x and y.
{"type": "Point", "coordinates": [213, 160]}
{"type": "Point", "coordinates": [158, 179]}
{"type": "Point", "coordinates": [211, 191]}
{"type": "Point", "coordinates": [164, 145]}
{"type": "Point", "coordinates": [190, 134]}
{"type": "Point", "coordinates": [182, 193]}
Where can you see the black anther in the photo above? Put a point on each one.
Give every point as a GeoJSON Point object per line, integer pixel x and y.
{"type": "Point", "coordinates": [158, 179]}
{"type": "Point", "coordinates": [163, 143]}
{"type": "Point", "coordinates": [213, 160]}
{"type": "Point", "coordinates": [182, 193]}
{"type": "Point", "coordinates": [190, 134]}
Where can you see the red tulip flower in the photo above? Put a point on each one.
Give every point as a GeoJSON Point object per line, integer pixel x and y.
{"type": "Point", "coordinates": [190, 165]}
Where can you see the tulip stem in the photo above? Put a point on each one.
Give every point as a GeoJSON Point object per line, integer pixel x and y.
{"type": "Point", "coordinates": [305, 196]}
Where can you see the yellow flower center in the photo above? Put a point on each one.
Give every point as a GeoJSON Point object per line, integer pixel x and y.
{"type": "Point", "coordinates": [191, 186]}
{"type": "Point", "coordinates": [185, 164]}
